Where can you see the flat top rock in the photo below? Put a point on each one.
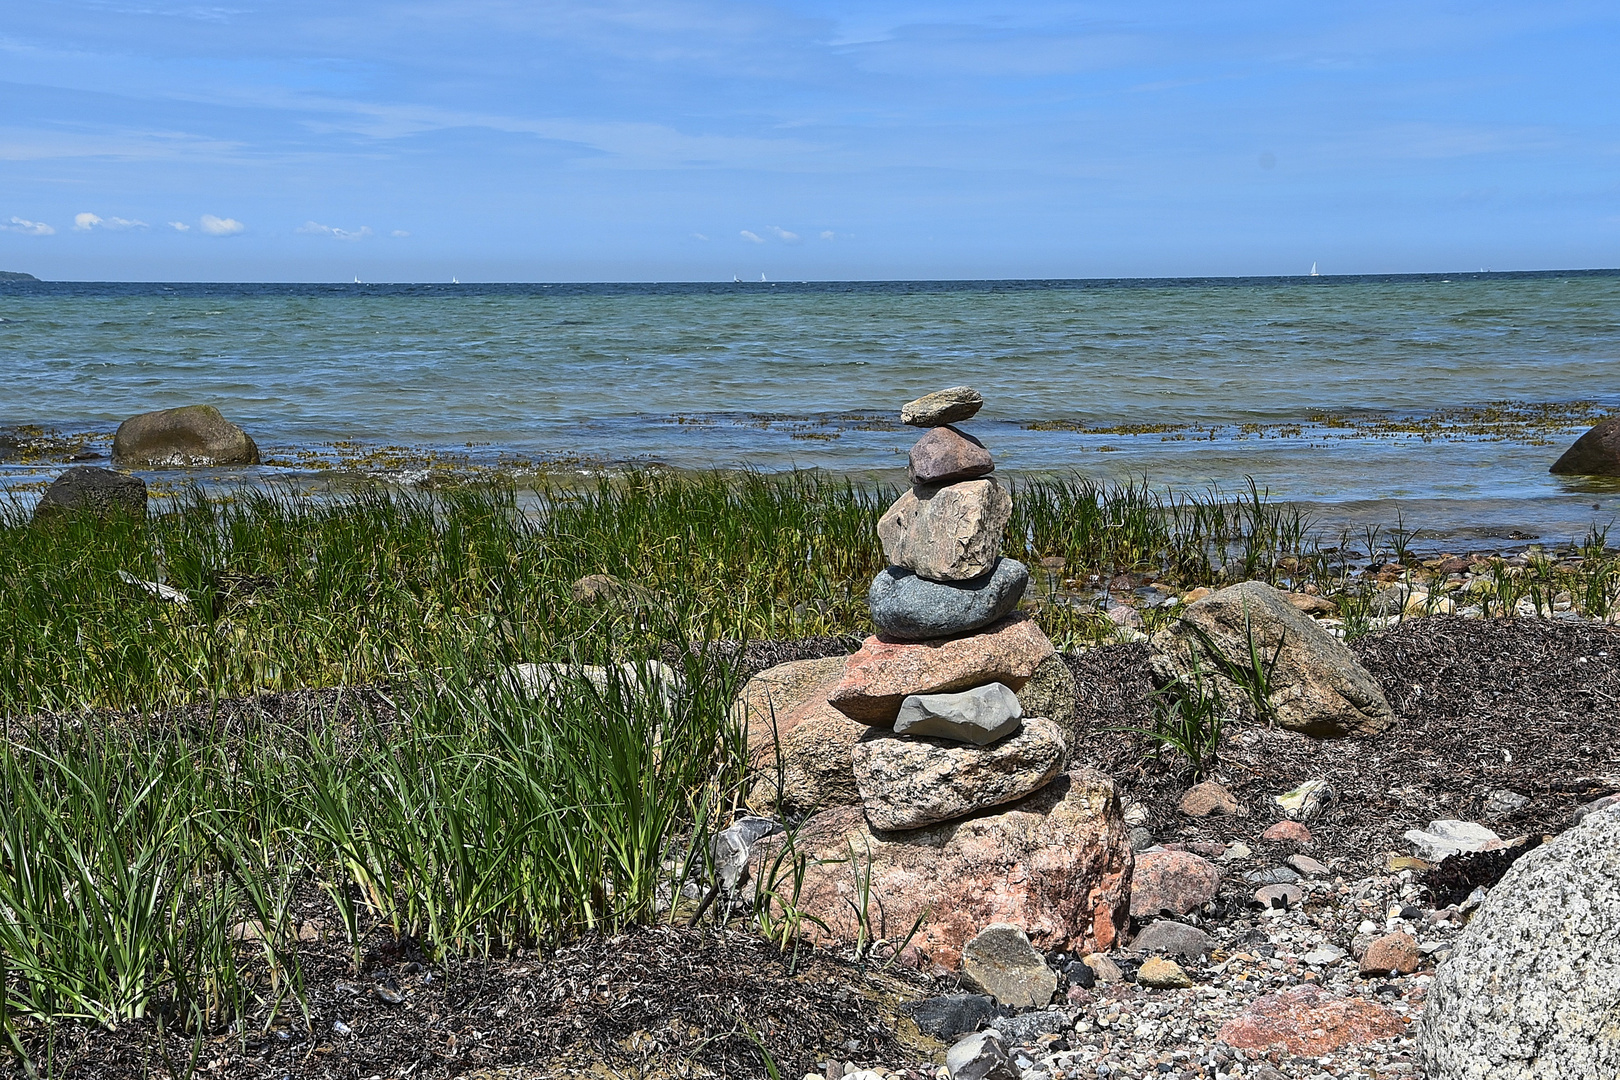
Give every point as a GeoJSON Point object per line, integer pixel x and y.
{"type": "Point", "coordinates": [942, 407]}
{"type": "Point", "coordinates": [979, 716]}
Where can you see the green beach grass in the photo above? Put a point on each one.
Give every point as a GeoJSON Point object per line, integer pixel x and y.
{"type": "Point", "coordinates": [160, 812]}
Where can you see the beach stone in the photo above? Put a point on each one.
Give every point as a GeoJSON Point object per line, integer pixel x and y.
{"type": "Point", "coordinates": [1310, 1023]}
{"type": "Point", "coordinates": [89, 490]}
{"type": "Point", "coordinates": [1306, 802]}
{"type": "Point", "coordinates": [980, 1056]}
{"type": "Point", "coordinates": [979, 716]}
{"type": "Point", "coordinates": [1177, 882]}
{"type": "Point", "coordinates": [1279, 896]}
{"type": "Point", "coordinates": [942, 407]}
{"type": "Point", "coordinates": [1585, 810]}
{"type": "Point", "coordinates": [778, 699]}
{"type": "Point", "coordinates": [1052, 692]}
{"type": "Point", "coordinates": [906, 783]}
{"type": "Point", "coordinates": [1166, 937]}
{"type": "Point", "coordinates": [1287, 832]}
{"type": "Point", "coordinates": [1392, 954]}
{"type": "Point", "coordinates": [950, 1015]}
{"type": "Point", "coordinates": [1103, 969]}
{"type": "Point", "coordinates": [187, 437]}
{"type": "Point", "coordinates": [1162, 974]}
{"type": "Point", "coordinates": [1202, 800]}
{"type": "Point", "coordinates": [1308, 866]}
{"type": "Point", "coordinates": [946, 455]}
{"type": "Point", "coordinates": [606, 589]}
{"type": "Point", "coordinates": [1444, 838]}
{"type": "Point", "coordinates": [884, 672]}
{"type": "Point", "coordinates": [1531, 987]}
{"type": "Point", "coordinates": [1055, 864]}
{"type": "Point", "coordinates": [912, 608]}
{"type": "Point", "coordinates": [1000, 961]}
{"type": "Point", "coordinates": [816, 764]}
{"type": "Point", "coordinates": [1318, 686]}
{"type": "Point", "coordinates": [1596, 453]}
{"type": "Point", "coordinates": [947, 533]}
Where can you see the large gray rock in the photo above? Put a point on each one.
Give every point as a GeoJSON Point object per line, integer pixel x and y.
{"type": "Point", "coordinates": [912, 608]}
{"type": "Point", "coordinates": [946, 455]}
{"type": "Point", "coordinates": [979, 716]}
{"type": "Point", "coordinates": [1532, 986]}
{"type": "Point", "coordinates": [1000, 961]}
{"type": "Point", "coordinates": [1597, 453]}
{"type": "Point", "coordinates": [949, 533]}
{"type": "Point", "coordinates": [89, 490]}
{"type": "Point", "coordinates": [906, 783]}
{"type": "Point", "coordinates": [187, 437]}
{"type": "Point", "coordinates": [1316, 684]}
{"type": "Point", "coordinates": [942, 407]}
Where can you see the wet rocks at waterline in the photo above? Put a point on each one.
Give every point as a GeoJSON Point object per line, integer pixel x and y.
{"type": "Point", "coordinates": [962, 805]}
{"type": "Point", "coordinates": [193, 436]}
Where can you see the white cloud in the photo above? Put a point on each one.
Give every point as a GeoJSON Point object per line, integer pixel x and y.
{"type": "Point", "coordinates": [315, 228]}
{"type": "Point", "coordinates": [214, 226]}
{"type": "Point", "coordinates": [828, 234]}
{"type": "Point", "coordinates": [401, 233]}
{"type": "Point", "coordinates": [752, 238]}
{"type": "Point", "coordinates": [700, 236]}
{"type": "Point", "coordinates": [179, 226]}
{"type": "Point", "coordinates": [785, 236]}
{"type": "Point", "coordinates": [27, 228]}
{"type": "Point", "coordinates": [86, 221]}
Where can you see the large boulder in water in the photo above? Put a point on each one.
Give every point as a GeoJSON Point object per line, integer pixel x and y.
{"type": "Point", "coordinates": [1315, 684]}
{"type": "Point", "coordinates": [1597, 453]}
{"type": "Point", "coordinates": [193, 436]}
{"type": "Point", "coordinates": [1056, 864]}
{"type": "Point", "coordinates": [1532, 986]}
{"type": "Point", "coordinates": [101, 492]}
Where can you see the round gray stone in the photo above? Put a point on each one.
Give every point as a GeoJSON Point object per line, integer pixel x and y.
{"type": "Point", "coordinates": [911, 608]}
{"type": "Point", "coordinates": [100, 492]}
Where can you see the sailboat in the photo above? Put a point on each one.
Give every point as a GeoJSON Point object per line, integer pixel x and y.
{"type": "Point", "coordinates": [762, 275]}
{"type": "Point", "coordinates": [735, 278]}
{"type": "Point", "coordinates": [1313, 271]}
{"type": "Point", "coordinates": [357, 280]}
{"type": "Point", "coordinates": [455, 281]}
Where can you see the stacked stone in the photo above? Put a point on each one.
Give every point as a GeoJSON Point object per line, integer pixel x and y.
{"type": "Point", "coordinates": [938, 682]}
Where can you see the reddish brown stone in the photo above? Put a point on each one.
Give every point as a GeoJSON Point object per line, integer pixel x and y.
{"type": "Point", "coordinates": [1287, 832]}
{"type": "Point", "coordinates": [1309, 1023]}
{"type": "Point", "coordinates": [779, 699]}
{"type": "Point", "coordinates": [884, 671]}
{"type": "Point", "coordinates": [1392, 954]}
{"type": "Point", "coordinates": [1202, 800]}
{"type": "Point", "coordinates": [1057, 864]}
{"type": "Point", "coordinates": [946, 455]}
{"type": "Point", "coordinates": [1173, 881]}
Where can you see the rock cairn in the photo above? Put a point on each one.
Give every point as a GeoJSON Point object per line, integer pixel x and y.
{"type": "Point", "coordinates": [938, 684]}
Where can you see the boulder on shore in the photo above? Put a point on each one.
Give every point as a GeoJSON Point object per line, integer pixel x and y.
{"type": "Point", "coordinates": [884, 672]}
{"type": "Point", "coordinates": [86, 489]}
{"type": "Point", "coordinates": [906, 783]}
{"type": "Point", "coordinates": [913, 608]}
{"type": "Point", "coordinates": [1531, 988]}
{"type": "Point", "coordinates": [947, 533]}
{"type": "Point", "coordinates": [1597, 453]}
{"type": "Point", "coordinates": [1316, 685]}
{"type": "Point", "coordinates": [778, 699]}
{"type": "Point", "coordinates": [1057, 864]}
{"type": "Point", "coordinates": [193, 436]}
{"type": "Point", "coordinates": [811, 767]}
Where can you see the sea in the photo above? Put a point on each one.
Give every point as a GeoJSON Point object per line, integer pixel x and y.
{"type": "Point", "coordinates": [1433, 402]}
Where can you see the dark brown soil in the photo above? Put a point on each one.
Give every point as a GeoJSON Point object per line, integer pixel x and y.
{"type": "Point", "coordinates": [1520, 705]}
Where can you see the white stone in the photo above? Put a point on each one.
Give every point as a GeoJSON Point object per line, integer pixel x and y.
{"type": "Point", "coordinates": [1448, 837]}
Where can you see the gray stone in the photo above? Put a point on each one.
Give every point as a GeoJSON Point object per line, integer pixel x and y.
{"type": "Point", "coordinates": [1166, 937]}
{"type": "Point", "coordinates": [1141, 839]}
{"type": "Point", "coordinates": [1500, 802]}
{"type": "Point", "coordinates": [906, 783]}
{"type": "Point", "coordinates": [946, 455]}
{"type": "Point", "coordinates": [1316, 685]}
{"type": "Point", "coordinates": [912, 608]}
{"type": "Point", "coordinates": [949, 533]}
{"type": "Point", "coordinates": [1272, 875]}
{"type": "Point", "coordinates": [1000, 961]}
{"type": "Point", "coordinates": [187, 437]}
{"type": "Point", "coordinates": [950, 1015]}
{"type": "Point", "coordinates": [980, 1056]}
{"type": "Point", "coordinates": [89, 490]}
{"type": "Point", "coordinates": [732, 846]}
{"type": "Point", "coordinates": [1584, 811]}
{"type": "Point", "coordinates": [979, 716]}
{"type": "Point", "coordinates": [1051, 692]}
{"type": "Point", "coordinates": [1443, 838]}
{"type": "Point", "coordinates": [942, 407]}
{"type": "Point", "coordinates": [1306, 802]}
{"type": "Point", "coordinates": [1308, 866]}
{"type": "Point", "coordinates": [1025, 1029]}
{"type": "Point", "coordinates": [1532, 986]}
{"type": "Point", "coordinates": [1596, 453]}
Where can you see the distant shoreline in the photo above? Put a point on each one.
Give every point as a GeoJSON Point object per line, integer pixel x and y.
{"type": "Point", "coordinates": [16, 275]}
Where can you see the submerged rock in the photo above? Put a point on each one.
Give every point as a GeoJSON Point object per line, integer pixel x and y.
{"type": "Point", "coordinates": [188, 437]}
{"type": "Point", "coordinates": [1596, 453]}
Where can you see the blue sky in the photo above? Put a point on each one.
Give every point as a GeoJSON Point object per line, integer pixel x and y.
{"type": "Point", "coordinates": [623, 140]}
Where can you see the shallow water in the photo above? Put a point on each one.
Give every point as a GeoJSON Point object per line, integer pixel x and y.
{"type": "Point", "coordinates": [1362, 396]}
